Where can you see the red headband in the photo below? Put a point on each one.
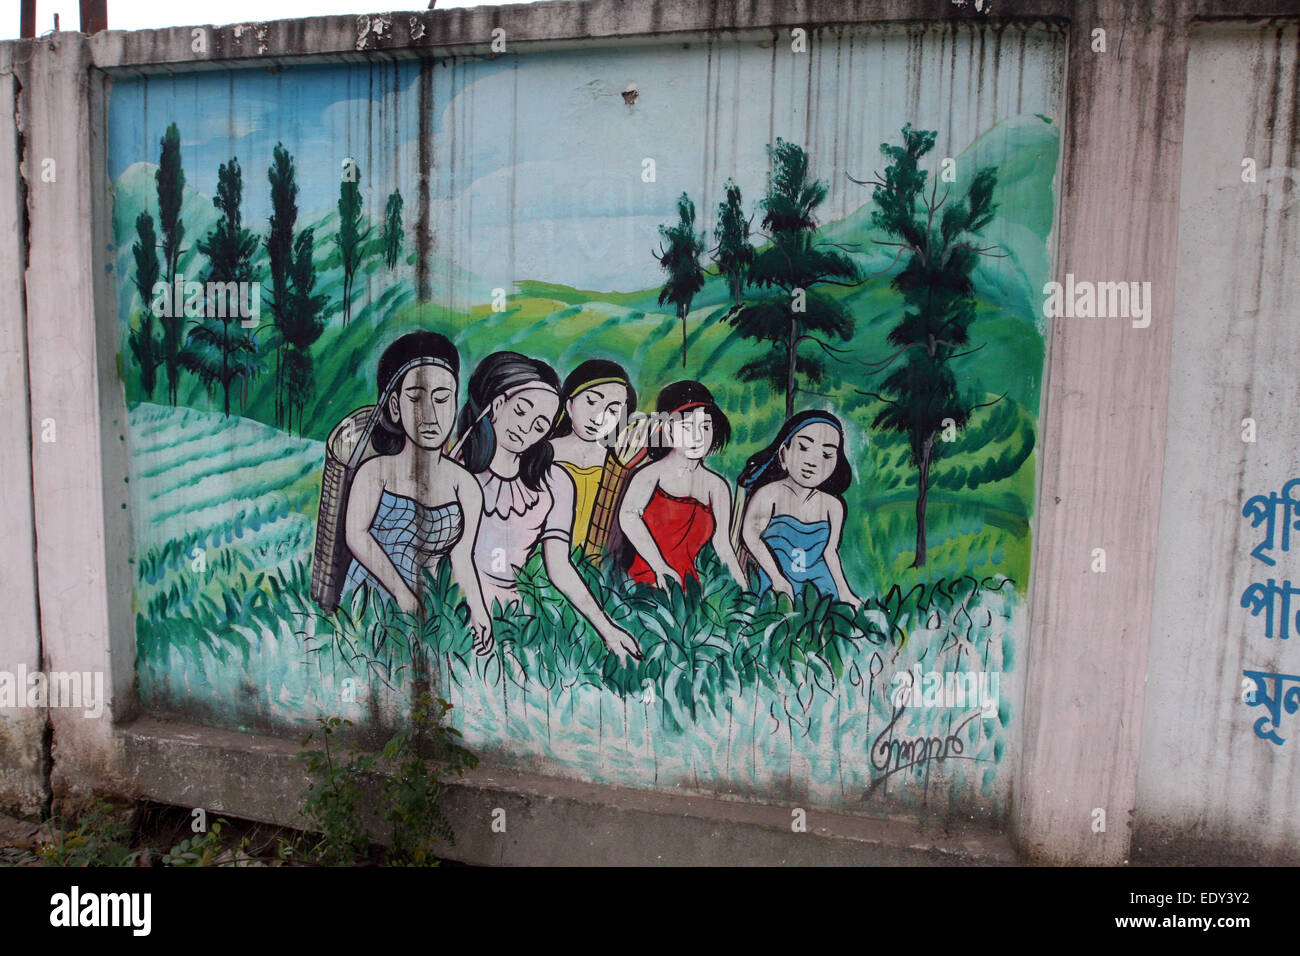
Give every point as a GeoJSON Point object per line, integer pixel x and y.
{"type": "Point", "coordinates": [682, 408]}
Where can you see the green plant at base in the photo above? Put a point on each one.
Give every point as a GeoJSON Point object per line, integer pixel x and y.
{"type": "Point", "coordinates": [199, 850]}
{"type": "Point", "coordinates": [413, 763]}
{"type": "Point", "coordinates": [421, 757]}
{"type": "Point", "coordinates": [330, 801]}
{"type": "Point", "coordinates": [98, 838]}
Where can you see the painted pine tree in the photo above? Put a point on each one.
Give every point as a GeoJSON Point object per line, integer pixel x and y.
{"type": "Point", "coordinates": [220, 350]}
{"type": "Point", "coordinates": [681, 260]}
{"type": "Point", "coordinates": [391, 238]}
{"type": "Point", "coordinates": [146, 345]}
{"type": "Point", "coordinates": [734, 252]}
{"type": "Point", "coordinates": [302, 323]}
{"type": "Point", "coordinates": [920, 395]}
{"type": "Point", "coordinates": [794, 263]}
{"type": "Point", "coordinates": [170, 180]}
{"type": "Point", "coordinates": [351, 234]}
{"type": "Point", "coordinates": [279, 248]}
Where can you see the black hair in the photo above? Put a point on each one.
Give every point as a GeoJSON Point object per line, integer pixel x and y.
{"type": "Point", "coordinates": [387, 436]}
{"type": "Point", "coordinates": [764, 467]}
{"type": "Point", "coordinates": [673, 397]}
{"type": "Point", "coordinates": [589, 371]}
{"type": "Point", "coordinates": [494, 376]}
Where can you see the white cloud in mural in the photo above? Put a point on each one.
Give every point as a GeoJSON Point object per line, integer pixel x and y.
{"type": "Point", "coordinates": [225, 128]}
{"type": "Point", "coordinates": [574, 206]}
{"type": "Point", "coordinates": [602, 242]}
{"type": "Point", "coordinates": [393, 117]}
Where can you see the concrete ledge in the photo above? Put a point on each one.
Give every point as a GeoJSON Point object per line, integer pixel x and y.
{"type": "Point", "coordinates": [469, 30]}
{"type": "Point", "coordinates": [548, 820]}
{"type": "Point", "coordinates": [1165, 844]}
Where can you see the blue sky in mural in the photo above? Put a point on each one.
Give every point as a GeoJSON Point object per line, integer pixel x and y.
{"type": "Point", "coordinates": [537, 172]}
{"type": "Point", "coordinates": [251, 123]}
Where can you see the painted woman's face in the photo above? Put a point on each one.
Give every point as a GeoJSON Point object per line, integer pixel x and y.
{"type": "Point", "coordinates": [596, 411]}
{"type": "Point", "coordinates": [425, 404]}
{"type": "Point", "coordinates": [692, 432]}
{"type": "Point", "coordinates": [811, 455]}
{"type": "Point", "coordinates": [524, 418]}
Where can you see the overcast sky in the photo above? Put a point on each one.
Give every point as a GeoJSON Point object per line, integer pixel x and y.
{"type": "Point", "coordinates": [144, 14]}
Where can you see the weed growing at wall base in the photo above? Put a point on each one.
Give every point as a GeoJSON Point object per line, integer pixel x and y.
{"type": "Point", "coordinates": [99, 836]}
{"type": "Point", "coordinates": [412, 766]}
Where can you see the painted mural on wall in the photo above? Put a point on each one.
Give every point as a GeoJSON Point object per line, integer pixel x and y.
{"type": "Point", "coordinates": [678, 434]}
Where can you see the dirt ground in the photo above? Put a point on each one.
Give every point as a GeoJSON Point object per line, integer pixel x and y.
{"type": "Point", "coordinates": [143, 834]}
{"type": "Point", "coordinates": [149, 831]}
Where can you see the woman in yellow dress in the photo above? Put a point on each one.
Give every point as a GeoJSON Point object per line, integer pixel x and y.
{"type": "Point", "coordinates": [596, 400]}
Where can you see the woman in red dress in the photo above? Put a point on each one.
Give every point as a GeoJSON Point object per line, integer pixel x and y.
{"type": "Point", "coordinates": [675, 505]}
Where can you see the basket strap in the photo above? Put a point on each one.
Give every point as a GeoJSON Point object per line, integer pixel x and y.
{"type": "Point", "coordinates": [355, 458]}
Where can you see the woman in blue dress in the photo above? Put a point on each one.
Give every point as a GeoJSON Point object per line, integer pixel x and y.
{"type": "Point", "coordinates": [410, 505]}
{"type": "Point", "coordinates": [794, 515]}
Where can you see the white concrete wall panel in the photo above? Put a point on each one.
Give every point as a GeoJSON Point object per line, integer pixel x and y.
{"type": "Point", "coordinates": [20, 725]}
{"type": "Point", "coordinates": [1206, 776]}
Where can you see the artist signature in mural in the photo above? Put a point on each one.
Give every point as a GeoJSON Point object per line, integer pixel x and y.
{"type": "Point", "coordinates": [892, 755]}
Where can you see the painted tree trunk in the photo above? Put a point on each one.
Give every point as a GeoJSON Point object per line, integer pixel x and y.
{"type": "Point", "coordinates": [225, 364]}
{"type": "Point", "coordinates": [174, 347]}
{"type": "Point", "coordinates": [279, 399]}
{"type": "Point", "coordinates": [923, 488]}
{"type": "Point", "coordinates": [791, 359]}
{"type": "Point", "coordinates": [682, 312]}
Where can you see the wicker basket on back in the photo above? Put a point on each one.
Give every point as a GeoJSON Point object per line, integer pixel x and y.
{"type": "Point", "coordinates": [347, 447]}
{"type": "Point", "coordinates": [626, 455]}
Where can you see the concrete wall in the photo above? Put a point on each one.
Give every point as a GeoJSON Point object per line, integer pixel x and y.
{"type": "Point", "coordinates": [1210, 787]}
{"type": "Point", "coordinates": [1091, 739]}
{"type": "Point", "coordinates": [21, 730]}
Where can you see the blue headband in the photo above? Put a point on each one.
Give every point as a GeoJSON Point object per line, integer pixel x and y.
{"type": "Point", "coordinates": [802, 426]}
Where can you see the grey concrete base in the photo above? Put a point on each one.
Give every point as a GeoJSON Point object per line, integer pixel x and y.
{"type": "Point", "coordinates": [502, 817]}
{"type": "Point", "coordinates": [1155, 844]}
{"type": "Point", "coordinates": [22, 788]}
